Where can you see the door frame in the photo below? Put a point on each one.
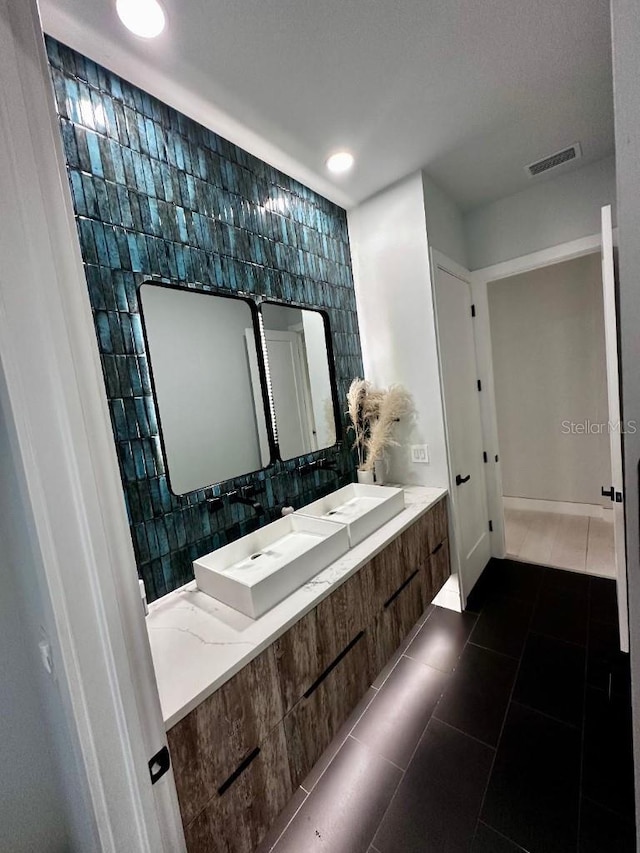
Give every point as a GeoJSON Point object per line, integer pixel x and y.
{"type": "Point", "coordinates": [480, 279]}
{"type": "Point", "coordinates": [439, 260]}
{"type": "Point", "coordinates": [54, 401]}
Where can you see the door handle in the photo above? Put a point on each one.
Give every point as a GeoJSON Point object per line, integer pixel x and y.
{"type": "Point", "coordinates": [460, 480]}
{"type": "Point", "coordinates": [607, 493]}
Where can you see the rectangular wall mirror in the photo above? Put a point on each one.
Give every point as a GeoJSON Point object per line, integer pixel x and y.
{"type": "Point", "coordinates": [204, 366]}
{"type": "Point", "coordinates": [300, 372]}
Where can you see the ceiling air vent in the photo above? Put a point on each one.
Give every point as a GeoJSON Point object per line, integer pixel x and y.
{"type": "Point", "coordinates": [554, 160]}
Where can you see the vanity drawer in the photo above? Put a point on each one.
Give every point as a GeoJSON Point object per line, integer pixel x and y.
{"type": "Point", "coordinates": [237, 819]}
{"type": "Point", "coordinates": [209, 744]}
{"type": "Point", "coordinates": [381, 577]}
{"type": "Point", "coordinates": [395, 621]}
{"type": "Point", "coordinates": [309, 646]}
{"type": "Point", "coordinates": [415, 543]}
{"type": "Point", "coordinates": [439, 523]}
{"type": "Point", "coordinates": [312, 724]}
{"type": "Point", "coordinates": [439, 567]}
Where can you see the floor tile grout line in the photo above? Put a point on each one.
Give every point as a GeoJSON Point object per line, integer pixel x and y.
{"type": "Point", "coordinates": [609, 810]}
{"type": "Point", "coordinates": [376, 752]}
{"type": "Point", "coordinates": [521, 849]}
{"type": "Point", "coordinates": [404, 651]}
{"type": "Point", "coordinates": [559, 639]}
{"type": "Point", "coordinates": [547, 716]}
{"type": "Point", "coordinates": [404, 772]}
{"type": "Point", "coordinates": [290, 821]}
{"type": "Point", "coordinates": [509, 703]}
{"type": "Point", "coordinates": [342, 743]}
{"type": "Point", "coordinates": [517, 556]}
{"type": "Point", "coordinates": [487, 649]}
{"type": "Point", "coordinates": [460, 731]}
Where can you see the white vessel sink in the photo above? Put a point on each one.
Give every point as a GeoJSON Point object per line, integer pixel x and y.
{"type": "Point", "coordinates": [362, 508]}
{"type": "Point", "coordinates": [259, 570]}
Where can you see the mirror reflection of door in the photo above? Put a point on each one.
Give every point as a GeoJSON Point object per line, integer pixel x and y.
{"type": "Point", "coordinates": [291, 392]}
{"type": "Point", "coordinates": [298, 368]}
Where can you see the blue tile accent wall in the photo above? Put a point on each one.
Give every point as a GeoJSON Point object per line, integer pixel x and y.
{"type": "Point", "coordinates": [157, 195]}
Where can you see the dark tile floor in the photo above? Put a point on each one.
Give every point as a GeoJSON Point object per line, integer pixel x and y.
{"type": "Point", "coordinates": [505, 729]}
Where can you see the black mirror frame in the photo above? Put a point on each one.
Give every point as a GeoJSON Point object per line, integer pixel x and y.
{"type": "Point", "coordinates": [332, 371]}
{"type": "Point", "coordinates": [253, 306]}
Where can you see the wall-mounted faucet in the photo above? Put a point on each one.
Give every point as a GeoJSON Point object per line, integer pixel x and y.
{"type": "Point", "coordinates": [215, 504]}
{"type": "Point", "coordinates": [317, 465]}
{"type": "Point", "coordinates": [246, 496]}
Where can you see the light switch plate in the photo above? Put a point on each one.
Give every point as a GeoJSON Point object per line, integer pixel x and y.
{"type": "Point", "coordinates": [420, 453]}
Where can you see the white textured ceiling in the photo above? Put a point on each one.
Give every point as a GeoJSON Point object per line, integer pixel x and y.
{"type": "Point", "coordinates": [472, 90]}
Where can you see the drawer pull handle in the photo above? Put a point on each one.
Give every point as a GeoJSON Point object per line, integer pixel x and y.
{"type": "Point", "coordinates": [400, 588]}
{"type": "Point", "coordinates": [333, 665]}
{"type": "Point", "coordinates": [238, 771]}
{"type": "Point", "coordinates": [437, 548]}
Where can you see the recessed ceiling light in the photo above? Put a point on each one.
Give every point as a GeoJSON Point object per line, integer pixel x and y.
{"type": "Point", "coordinates": [144, 18]}
{"type": "Point", "coordinates": [340, 162]}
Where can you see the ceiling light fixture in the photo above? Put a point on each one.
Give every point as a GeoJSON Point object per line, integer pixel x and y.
{"type": "Point", "coordinates": [145, 18]}
{"type": "Point", "coordinates": [340, 162]}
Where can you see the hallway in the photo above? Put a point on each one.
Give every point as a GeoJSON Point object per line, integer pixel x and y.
{"type": "Point", "coordinates": [503, 729]}
{"type": "Point", "coordinates": [579, 543]}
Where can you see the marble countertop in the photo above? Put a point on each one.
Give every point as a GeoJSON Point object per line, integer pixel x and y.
{"type": "Point", "coordinates": [198, 643]}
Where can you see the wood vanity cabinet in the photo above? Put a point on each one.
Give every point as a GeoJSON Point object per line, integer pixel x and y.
{"type": "Point", "coordinates": [440, 566]}
{"type": "Point", "coordinates": [238, 757]}
{"type": "Point", "coordinates": [315, 719]}
{"type": "Point", "coordinates": [236, 820]}
{"type": "Point", "coordinates": [313, 643]}
{"type": "Point", "coordinates": [209, 744]}
{"type": "Point", "coordinates": [391, 625]}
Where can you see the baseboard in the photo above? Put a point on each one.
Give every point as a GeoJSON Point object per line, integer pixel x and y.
{"type": "Point", "coordinates": [558, 507]}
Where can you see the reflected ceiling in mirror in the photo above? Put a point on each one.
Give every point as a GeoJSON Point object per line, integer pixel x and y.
{"type": "Point", "coordinates": [300, 373]}
{"type": "Point", "coordinates": [206, 372]}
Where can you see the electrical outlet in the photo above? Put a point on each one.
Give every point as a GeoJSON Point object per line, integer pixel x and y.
{"type": "Point", "coordinates": [420, 453]}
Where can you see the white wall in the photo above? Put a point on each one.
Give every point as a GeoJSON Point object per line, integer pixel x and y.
{"type": "Point", "coordinates": [548, 213]}
{"type": "Point", "coordinates": [388, 236]}
{"type": "Point", "coordinates": [42, 797]}
{"type": "Point", "coordinates": [445, 224]}
{"type": "Point", "coordinates": [547, 332]}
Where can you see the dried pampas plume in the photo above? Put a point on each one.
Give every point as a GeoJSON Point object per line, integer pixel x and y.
{"type": "Point", "coordinates": [373, 412]}
{"type": "Point", "coordinates": [396, 403]}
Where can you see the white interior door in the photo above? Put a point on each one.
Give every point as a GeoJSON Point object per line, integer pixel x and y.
{"type": "Point", "coordinates": [458, 368]}
{"type": "Point", "coordinates": [615, 487]}
{"type": "Point", "coordinates": [289, 393]}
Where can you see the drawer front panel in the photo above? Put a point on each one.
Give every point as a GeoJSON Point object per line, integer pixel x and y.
{"type": "Point", "coordinates": [415, 543]}
{"type": "Point", "coordinates": [307, 649]}
{"type": "Point", "coordinates": [237, 820]}
{"type": "Point", "coordinates": [211, 742]}
{"type": "Point", "coordinates": [438, 516]}
{"type": "Point", "coordinates": [394, 622]}
{"type": "Point", "coordinates": [312, 724]}
{"type": "Point", "coordinates": [381, 577]}
{"type": "Point", "coordinates": [440, 567]}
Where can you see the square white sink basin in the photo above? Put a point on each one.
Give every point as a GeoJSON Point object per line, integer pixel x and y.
{"type": "Point", "coordinates": [259, 570]}
{"type": "Point", "coordinates": [362, 508]}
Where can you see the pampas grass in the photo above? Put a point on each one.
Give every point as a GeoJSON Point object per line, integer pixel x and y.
{"type": "Point", "coordinates": [374, 412]}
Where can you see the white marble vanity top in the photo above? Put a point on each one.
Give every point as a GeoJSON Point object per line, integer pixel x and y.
{"type": "Point", "coordinates": [198, 643]}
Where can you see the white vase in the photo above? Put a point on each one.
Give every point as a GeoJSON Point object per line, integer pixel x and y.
{"type": "Point", "coordinates": [365, 477]}
{"type": "Point", "coordinates": [379, 470]}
